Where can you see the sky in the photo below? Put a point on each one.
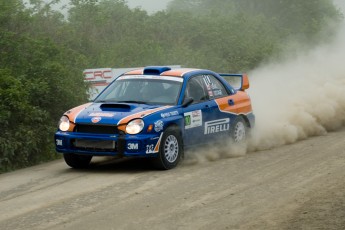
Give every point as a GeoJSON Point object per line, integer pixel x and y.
{"type": "Point", "coordinates": [151, 6]}
{"type": "Point", "coordinates": [156, 5]}
{"type": "Point", "coordinates": [340, 3]}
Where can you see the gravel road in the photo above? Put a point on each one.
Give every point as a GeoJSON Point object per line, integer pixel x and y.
{"type": "Point", "coordinates": [297, 186]}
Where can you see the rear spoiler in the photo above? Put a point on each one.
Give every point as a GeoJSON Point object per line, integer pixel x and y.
{"type": "Point", "coordinates": [238, 81]}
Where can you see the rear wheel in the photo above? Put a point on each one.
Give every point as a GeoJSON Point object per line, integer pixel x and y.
{"type": "Point", "coordinates": [170, 150]}
{"type": "Point", "coordinates": [239, 130]}
{"type": "Point", "coordinates": [77, 161]}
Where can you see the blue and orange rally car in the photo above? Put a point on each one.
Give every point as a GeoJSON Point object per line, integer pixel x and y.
{"type": "Point", "coordinates": [156, 112]}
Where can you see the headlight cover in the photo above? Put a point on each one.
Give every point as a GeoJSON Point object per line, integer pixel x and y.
{"type": "Point", "coordinates": [64, 123]}
{"type": "Point", "coordinates": [135, 126]}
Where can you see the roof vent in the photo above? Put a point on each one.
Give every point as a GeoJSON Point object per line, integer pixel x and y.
{"type": "Point", "coordinates": [155, 70]}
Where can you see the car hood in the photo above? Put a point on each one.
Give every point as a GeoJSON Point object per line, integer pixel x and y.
{"type": "Point", "coordinates": [111, 113]}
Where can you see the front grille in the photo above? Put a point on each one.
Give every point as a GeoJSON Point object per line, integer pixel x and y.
{"type": "Point", "coordinates": [98, 129]}
{"type": "Point", "coordinates": [94, 145]}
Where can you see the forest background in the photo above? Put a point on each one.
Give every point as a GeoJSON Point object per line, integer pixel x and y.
{"type": "Point", "coordinates": [43, 52]}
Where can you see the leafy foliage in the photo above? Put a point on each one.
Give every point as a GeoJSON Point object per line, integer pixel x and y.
{"type": "Point", "coordinates": [43, 53]}
{"type": "Point", "coordinates": [36, 77]}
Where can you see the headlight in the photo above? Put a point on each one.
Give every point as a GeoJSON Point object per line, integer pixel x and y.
{"type": "Point", "coordinates": [64, 123]}
{"type": "Point", "coordinates": [135, 126]}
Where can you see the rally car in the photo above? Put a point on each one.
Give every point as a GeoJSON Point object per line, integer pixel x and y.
{"type": "Point", "coordinates": [157, 112]}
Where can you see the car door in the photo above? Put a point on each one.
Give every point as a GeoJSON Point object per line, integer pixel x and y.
{"type": "Point", "coordinates": [217, 122]}
{"type": "Point", "coordinates": [196, 114]}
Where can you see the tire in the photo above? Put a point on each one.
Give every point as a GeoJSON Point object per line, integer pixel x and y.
{"type": "Point", "coordinates": [170, 150]}
{"type": "Point", "coordinates": [239, 130]}
{"type": "Point", "coordinates": [77, 161]}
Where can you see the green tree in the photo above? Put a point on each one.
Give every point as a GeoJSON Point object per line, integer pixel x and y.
{"type": "Point", "coordinates": [36, 77]}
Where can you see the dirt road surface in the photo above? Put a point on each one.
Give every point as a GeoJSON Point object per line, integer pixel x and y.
{"type": "Point", "coordinates": [298, 186]}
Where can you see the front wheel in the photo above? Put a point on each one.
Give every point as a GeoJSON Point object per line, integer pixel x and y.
{"type": "Point", "coordinates": [77, 161]}
{"type": "Point", "coordinates": [170, 150]}
{"type": "Point", "coordinates": [239, 130]}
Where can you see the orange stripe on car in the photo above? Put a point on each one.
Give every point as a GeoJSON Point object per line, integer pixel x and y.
{"type": "Point", "coordinates": [177, 72]}
{"type": "Point", "coordinates": [73, 113]}
{"type": "Point", "coordinates": [142, 114]}
{"type": "Point", "coordinates": [241, 104]}
{"type": "Point", "coordinates": [156, 150]}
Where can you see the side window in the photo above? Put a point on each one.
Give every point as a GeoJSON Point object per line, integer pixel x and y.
{"type": "Point", "coordinates": [215, 88]}
{"type": "Point", "coordinates": [195, 89]}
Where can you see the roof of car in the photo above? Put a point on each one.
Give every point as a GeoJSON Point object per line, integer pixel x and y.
{"type": "Point", "coordinates": [162, 71]}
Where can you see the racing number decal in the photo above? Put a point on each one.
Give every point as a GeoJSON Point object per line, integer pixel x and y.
{"type": "Point", "coordinates": [209, 85]}
{"type": "Point", "coordinates": [151, 148]}
{"type": "Point", "coordinates": [207, 80]}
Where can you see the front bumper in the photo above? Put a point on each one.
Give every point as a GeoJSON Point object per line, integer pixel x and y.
{"type": "Point", "coordinates": [142, 145]}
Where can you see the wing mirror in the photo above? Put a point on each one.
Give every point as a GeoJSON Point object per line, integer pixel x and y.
{"type": "Point", "coordinates": [187, 101]}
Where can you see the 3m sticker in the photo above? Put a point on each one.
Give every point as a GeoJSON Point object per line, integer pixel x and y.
{"type": "Point", "coordinates": [193, 119]}
{"type": "Point", "coordinates": [132, 146]}
{"type": "Point", "coordinates": [58, 142]}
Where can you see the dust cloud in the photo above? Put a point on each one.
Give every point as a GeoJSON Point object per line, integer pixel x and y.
{"type": "Point", "coordinates": [293, 99]}
{"type": "Point", "coordinates": [301, 97]}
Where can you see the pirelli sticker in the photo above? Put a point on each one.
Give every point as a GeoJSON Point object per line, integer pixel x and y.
{"type": "Point", "coordinates": [217, 126]}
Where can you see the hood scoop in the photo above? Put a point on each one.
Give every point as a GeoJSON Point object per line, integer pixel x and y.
{"type": "Point", "coordinates": [115, 107]}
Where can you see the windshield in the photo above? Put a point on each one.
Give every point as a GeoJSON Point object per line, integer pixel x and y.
{"type": "Point", "coordinates": [143, 89]}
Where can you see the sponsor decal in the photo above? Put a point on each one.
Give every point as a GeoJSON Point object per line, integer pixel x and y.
{"type": "Point", "coordinates": [58, 142]}
{"type": "Point", "coordinates": [101, 114]}
{"type": "Point", "coordinates": [132, 146]}
{"type": "Point", "coordinates": [193, 119]}
{"type": "Point", "coordinates": [96, 119]}
{"type": "Point", "coordinates": [159, 126]}
{"type": "Point", "coordinates": [217, 126]}
{"type": "Point", "coordinates": [152, 148]}
{"type": "Point", "coordinates": [94, 74]}
{"type": "Point", "coordinates": [169, 114]}
{"type": "Point", "coordinates": [217, 92]}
